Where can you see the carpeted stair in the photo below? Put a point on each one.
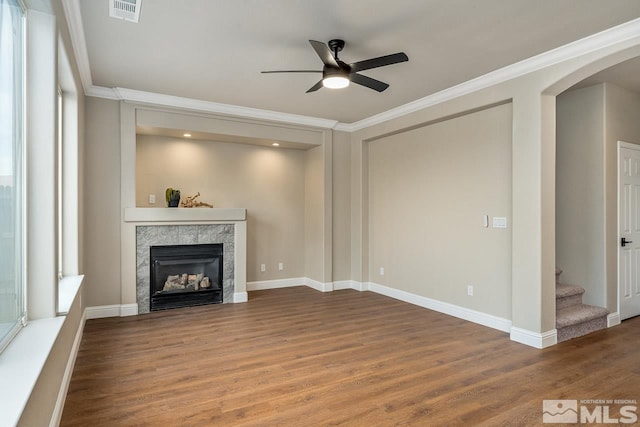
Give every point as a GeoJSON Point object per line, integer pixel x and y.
{"type": "Point", "coordinates": [573, 318]}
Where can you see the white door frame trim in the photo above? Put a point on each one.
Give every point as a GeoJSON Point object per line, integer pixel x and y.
{"type": "Point", "coordinates": [621, 144]}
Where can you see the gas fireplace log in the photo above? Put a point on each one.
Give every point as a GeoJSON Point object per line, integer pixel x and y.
{"type": "Point", "coordinates": [186, 281]}
{"type": "Point", "coordinates": [204, 283]}
{"type": "Point", "coordinates": [172, 286]}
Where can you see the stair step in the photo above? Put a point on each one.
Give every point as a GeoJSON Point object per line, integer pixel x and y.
{"type": "Point", "coordinates": [581, 329]}
{"type": "Point", "coordinates": [568, 296]}
{"type": "Point", "coordinates": [576, 314]}
{"type": "Point", "coordinates": [564, 291]}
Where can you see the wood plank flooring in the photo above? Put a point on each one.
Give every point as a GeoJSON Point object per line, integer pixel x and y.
{"type": "Point", "coordinates": [298, 357]}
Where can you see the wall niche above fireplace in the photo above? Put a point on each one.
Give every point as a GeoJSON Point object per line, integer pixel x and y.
{"type": "Point", "coordinates": [185, 275]}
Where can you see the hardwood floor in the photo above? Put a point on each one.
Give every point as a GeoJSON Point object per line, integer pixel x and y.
{"type": "Point", "coordinates": [298, 357]}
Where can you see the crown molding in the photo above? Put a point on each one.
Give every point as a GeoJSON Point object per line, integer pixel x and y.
{"type": "Point", "coordinates": [142, 97]}
{"type": "Point", "coordinates": [102, 92]}
{"type": "Point", "coordinates": [618, 34]}
{"type": "Point", "coordinates": [594, 42]}
{"type": "Point", "coordinates": [76, 31]}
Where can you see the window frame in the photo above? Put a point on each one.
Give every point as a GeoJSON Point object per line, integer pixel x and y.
{"type": "Point", "coordinates": [20, 186]}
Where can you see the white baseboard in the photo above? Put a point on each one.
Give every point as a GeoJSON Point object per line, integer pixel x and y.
{"type": "Point", "coordinates": [534, 339]}
{"type": "Point", "coordinates": [98, 312]}
{"type": "Point", "coordinates": [66, 378]}
{"type": "Point", "coordinates": [297, 281]}
{"type": "Point", "coordinates": [128, 310]}
{"type": "Point", "coordinates": [274, 284]}
{"type": "Point", "coordinates": [115, 310]}
{"type": "Point", "coordinates": [613, 319]}
{"type": "Point", "coordinates": [348, 284]}
{"type": "Point", "coordinates": [474, 316]}
{"type": "Point", "coordinates": [318, 286]}
{"type": "Point", "coordinates": [240, 297]}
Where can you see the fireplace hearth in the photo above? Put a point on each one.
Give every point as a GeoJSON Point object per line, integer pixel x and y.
{"type": "Point", "coordinates": [185, 275]}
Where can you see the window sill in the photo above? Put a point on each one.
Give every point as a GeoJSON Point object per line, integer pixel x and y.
{"type": "Point", "coordinates": [67, 291]}
{"type": "Point", "coordinates": [24, 358]}
{"type": "Point", "coordinates": [21, 363]}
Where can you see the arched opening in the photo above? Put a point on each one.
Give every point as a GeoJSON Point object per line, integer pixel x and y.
{"type": "Point", "coordinates": [596, 107]}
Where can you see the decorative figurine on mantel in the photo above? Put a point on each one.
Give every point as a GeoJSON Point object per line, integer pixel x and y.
{"type": "Point", "coordinates": [173, 197]}
{"type": "Point", "coordinates": [191, 202]}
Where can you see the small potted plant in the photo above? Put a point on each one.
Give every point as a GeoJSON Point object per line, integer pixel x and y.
{"type": "Point", "coordinates": [173, 197]}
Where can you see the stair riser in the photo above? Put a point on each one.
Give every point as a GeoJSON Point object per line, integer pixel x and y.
{"type": "Point", "coordinates": [568, 301]}
{"type": "Point", "coordinates": [581, 329]}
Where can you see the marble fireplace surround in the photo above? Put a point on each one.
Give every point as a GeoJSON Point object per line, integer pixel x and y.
{"type": "Point", "coordinates": [168, 226]}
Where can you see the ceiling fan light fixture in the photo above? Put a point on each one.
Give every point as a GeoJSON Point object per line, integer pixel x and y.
{"type": "Point", "coordinates": [335, 82]}
{"type": "Point", "coordinates": [337, 74]}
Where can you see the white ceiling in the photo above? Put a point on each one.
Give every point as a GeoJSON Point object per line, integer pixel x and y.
{"type": "Point", "coordinates": [214, 50]}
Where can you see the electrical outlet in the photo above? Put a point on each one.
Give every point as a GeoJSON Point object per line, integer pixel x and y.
{"type": "Point", "coordinates": [152, 199]}
{"type": "Point", "coordinates": [263, 267]}
{"type": "Point", "coordinates": [470, 290]}
{"type": "Point", "coordinates": [382, 271]}
{"type": "Point", "coordinates": [280, 266]}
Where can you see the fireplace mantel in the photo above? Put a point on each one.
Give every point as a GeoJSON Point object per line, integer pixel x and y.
{"type": "Point", "coordinates": [184, 214]}
{"type": "Point", "coordinates": [190, 220]}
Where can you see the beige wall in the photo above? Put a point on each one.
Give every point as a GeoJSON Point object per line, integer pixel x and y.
{"type": "Point", "coordinates": [285, 190]}
{"type": "Point", "coordinates": [532, 96]}
{"type": "Point", "coordinates": [269, 182]}
{"type": "Point", "coordinates": [533, 149]}
{"type": "Point", "coordinates": [313, 214]}
{"type": "Point", "coordinates": [428, 191]}
{"type": "Point", "coordinates": [622, 112]}
{"type": "Point", "coordinates": [102, 202]}
{"type": "Point", "coordinates": [341, 206]}
{"type": "Point", "coordinates": [580, 214]}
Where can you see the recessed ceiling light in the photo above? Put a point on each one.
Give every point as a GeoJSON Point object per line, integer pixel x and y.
{"type": "Point", "coordinates": [275, 144]}
{"type": "Point", "coordinates": [187, 135]}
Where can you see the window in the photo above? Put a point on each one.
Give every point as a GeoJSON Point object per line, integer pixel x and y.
{"type": "Point", "coordinates": [59, 187]}
{"type": "Point", "coordinates": [12, 208]}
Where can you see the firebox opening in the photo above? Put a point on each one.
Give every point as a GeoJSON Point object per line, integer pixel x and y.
{"type": "Point", "coordinates": [185, 275]}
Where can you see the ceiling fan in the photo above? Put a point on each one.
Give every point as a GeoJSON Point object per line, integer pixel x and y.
{"type": "Point", "coordinates": [337, 74]}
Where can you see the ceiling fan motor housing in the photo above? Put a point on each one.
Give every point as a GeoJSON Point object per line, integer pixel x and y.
{"type": "Point", "coordinates": [343, 71]}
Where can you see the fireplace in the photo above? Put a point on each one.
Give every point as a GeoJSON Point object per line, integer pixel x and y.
{"type": "Point", "coordinates": [185, 275]}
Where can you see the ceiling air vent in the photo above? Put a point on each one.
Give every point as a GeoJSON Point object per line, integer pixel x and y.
{"type": "Point", "coordinates": [129, 10]}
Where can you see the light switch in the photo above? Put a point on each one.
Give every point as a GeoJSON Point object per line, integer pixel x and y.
{"type": "Point", "coordinates": [499, 222]}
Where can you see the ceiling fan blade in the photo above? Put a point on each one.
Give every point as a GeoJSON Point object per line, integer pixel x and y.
{"type": "Point", "coordinates": [315, 87]}
{"type": "Point", "coordinates": [324, 53]}
{"type": "Point", "coordinates": [381, 61]}
{"type": "Point", "coordinates": [291, 71]}
{"type": "Point", "coordinates": [368, 82]}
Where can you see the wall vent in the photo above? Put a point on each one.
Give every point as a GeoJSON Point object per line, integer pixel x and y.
{"type": "Point", "coordinates": [129, 10]}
